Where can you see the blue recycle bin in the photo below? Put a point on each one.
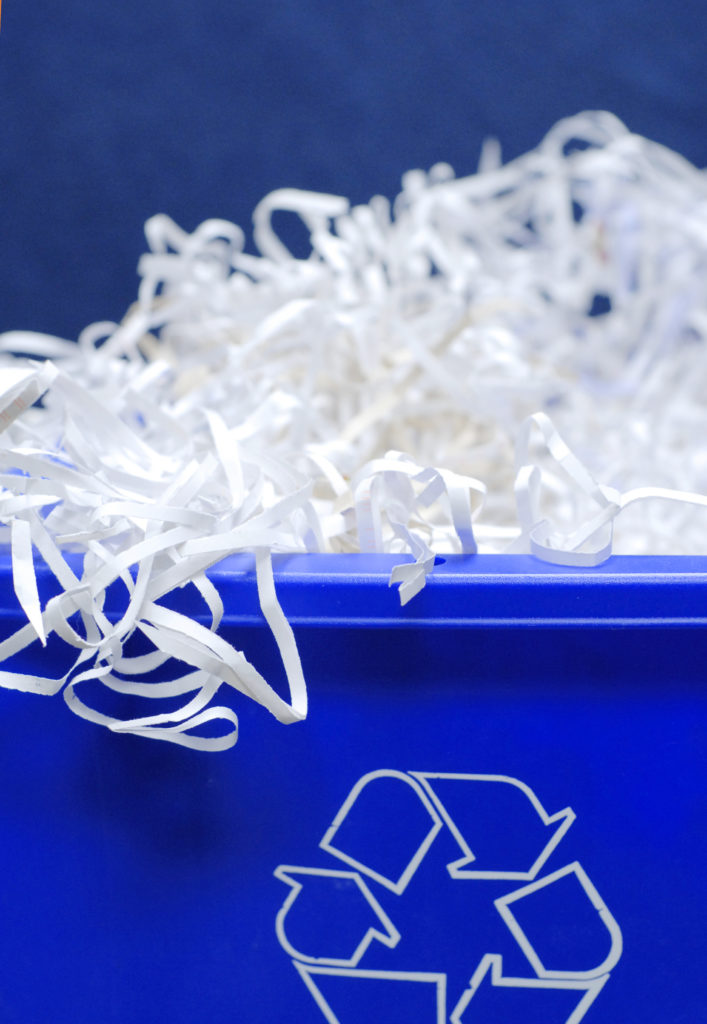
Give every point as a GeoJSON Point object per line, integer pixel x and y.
{"type": "Point", "coordinates": [496, 811]}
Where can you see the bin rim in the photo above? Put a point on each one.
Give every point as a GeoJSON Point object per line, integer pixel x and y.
{"type": "Point", "coordinates": [481, 590]}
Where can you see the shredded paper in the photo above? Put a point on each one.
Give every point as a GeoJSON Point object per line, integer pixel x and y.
{"type": "Point", "coordinates": [512, 361]}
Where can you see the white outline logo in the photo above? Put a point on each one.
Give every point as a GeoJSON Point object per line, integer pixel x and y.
{"type": "Point", "coordinates": [431, 789]}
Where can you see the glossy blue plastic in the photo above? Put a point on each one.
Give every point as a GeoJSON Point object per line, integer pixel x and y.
{"type": "Point", "coordinates": [543, 729]}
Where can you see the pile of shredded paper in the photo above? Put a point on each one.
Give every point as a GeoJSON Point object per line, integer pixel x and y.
{"type": "Point", "coordinates": [511, 361]}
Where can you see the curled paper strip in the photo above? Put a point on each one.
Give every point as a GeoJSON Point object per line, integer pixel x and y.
{"type": "Point", "coordinates": [511, 361]}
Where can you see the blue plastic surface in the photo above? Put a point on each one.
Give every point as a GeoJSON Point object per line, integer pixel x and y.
{"type": "Point", "coordinates": [139, 880]}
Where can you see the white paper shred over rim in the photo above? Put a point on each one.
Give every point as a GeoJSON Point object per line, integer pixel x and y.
{"type": "Point", "coordinates": [511, 361]}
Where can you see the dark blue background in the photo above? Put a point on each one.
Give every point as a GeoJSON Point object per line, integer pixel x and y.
{"type": "Point", "coordinates": [113, 111]}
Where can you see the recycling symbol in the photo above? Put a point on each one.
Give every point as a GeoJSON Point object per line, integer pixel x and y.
{"type": "Point", "coordinates": [430, 902]}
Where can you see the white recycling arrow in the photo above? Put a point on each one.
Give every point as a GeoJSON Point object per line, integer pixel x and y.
{"type": "Point", "coordinates": [504, 903]}
{"type": "Point", "coordinates": [429, 1007]}
{"type": "Point", "coordinates": [384, 931]}
{"type": "Point", "coordinates": [435, 784]}
{"type": "Point", "coordinates": [490, 971]}
{"type": "Point", "coordinates": [410, 797]}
